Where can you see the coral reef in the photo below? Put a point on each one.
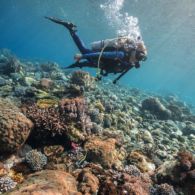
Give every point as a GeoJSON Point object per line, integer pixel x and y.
{"type": "Point", "coordinates": [14, 127]}
{"type": "Point", "coordinates": [98, 138]}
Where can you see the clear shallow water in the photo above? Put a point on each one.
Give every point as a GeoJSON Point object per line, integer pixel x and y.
{"type": "Point", "coordinates": [167, 27]}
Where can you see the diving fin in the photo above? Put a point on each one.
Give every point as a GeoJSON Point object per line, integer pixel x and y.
{"type": "Point", "coordinates": [70, 26]}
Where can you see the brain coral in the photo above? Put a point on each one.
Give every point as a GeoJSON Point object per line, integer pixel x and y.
{"type": "Point", "coordinates": [14, 127]}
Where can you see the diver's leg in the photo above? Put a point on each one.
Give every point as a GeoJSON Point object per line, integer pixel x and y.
{"type": "Point", "coordinates": [79, 43]}
{"type": "Point", "coordinates": [72, 29]}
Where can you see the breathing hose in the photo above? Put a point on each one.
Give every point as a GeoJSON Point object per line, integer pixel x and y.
{"type": "Point", "coordinates": [100, 56]}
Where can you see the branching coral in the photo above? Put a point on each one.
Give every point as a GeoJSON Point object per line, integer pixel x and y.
{"type": "Point", "coordinates": [68, 119]}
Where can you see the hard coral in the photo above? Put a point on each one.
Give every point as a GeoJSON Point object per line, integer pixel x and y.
{"type": "Point", "coordinates": [47, 122]}
{"type": "Point", "coordinates": [46, 103]}
{"type": "Point", "coordinates": [68, 119]}
{"type": "Point", "coordinates": [103, 152]}
{"type": "Point", "coordinates": [14, 127]}
{"type": "Point", "coordinates": [81, 78]}
{"type": "Point", "coordinates": [75, 110]}
{"type": "Point", "coordinates": [6, 184]}
{"type": "Point", "coordinates": [36, 160]}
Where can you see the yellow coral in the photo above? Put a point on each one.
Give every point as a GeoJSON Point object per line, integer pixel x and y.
{"type": "Point", "coordinates": [46, 103]}
{"type": "Point", "coordinates": [99, 106]}
{"type": "Point", "coordinates": [17, 177]}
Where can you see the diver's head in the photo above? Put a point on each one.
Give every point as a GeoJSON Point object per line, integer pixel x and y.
{"type": "Point", "coordinates": [140, 56]}
{"type": "Point", "coordinates": [141, 51]}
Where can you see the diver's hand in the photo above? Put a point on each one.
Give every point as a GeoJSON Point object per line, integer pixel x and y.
{"type": "Point", "coordinates": [114, 82]}
{"type": "Point", "coordinates": [78, 57]}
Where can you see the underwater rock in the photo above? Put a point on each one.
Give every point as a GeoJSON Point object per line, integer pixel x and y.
{"type": "Point", "coordinates": [6, 184]}
{"type": "Point", "coordinates": [14, 127]}
{"type": "Point", "coordinates": [103, 152]}
{"type": "Point", "coordinates": [48, 182]}
{"type": "Point", "coordinates": [154, 106]}
{"type": "Point", "coordinates": [36, 160]}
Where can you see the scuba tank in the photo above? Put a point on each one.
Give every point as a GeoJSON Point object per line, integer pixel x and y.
{"type": "Point", "coordinates": [111, 44]}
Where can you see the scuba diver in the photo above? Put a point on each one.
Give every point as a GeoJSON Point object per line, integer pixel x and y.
{"type": "Point", "coordinates": [117, 55]}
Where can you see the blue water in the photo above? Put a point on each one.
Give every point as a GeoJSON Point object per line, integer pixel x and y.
{"type": "Point", "coordinates": [167, 27]}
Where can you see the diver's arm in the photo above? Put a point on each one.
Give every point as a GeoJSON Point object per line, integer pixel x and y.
{"type": "Point", "coordinates": [137, 65]}
{"type": "Point", "coordinates": [107, 55]}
